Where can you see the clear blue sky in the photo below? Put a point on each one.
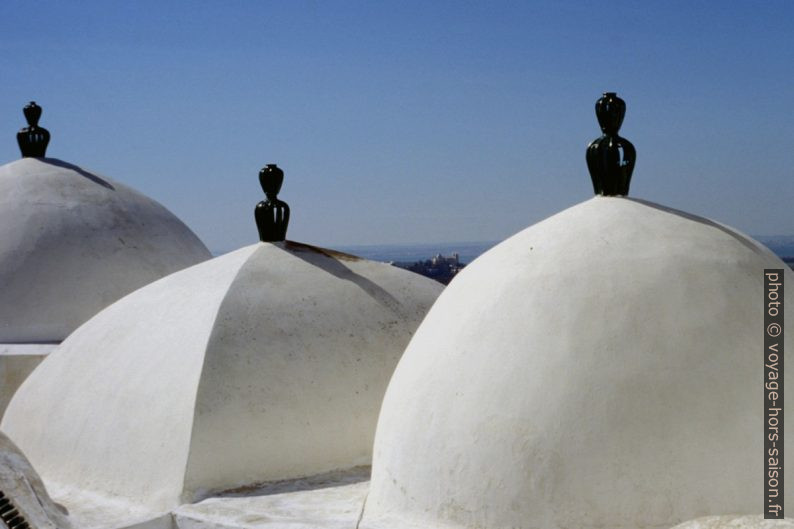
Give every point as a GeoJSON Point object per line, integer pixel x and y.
{"type": "Point", "coordinates": [402, 122]}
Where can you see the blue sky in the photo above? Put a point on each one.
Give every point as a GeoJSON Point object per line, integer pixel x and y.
{"type": "Point", "coordinates": [403, 122]}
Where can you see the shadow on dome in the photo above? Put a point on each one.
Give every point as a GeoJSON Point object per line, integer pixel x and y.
{"type": "Point", "coordinates": [334, 254]}
{"type": "Point", "coordinates": [746, 241]}
{"type": "Point", "coordinates": [329, 261]}
{"type": "Point", "coordinates": [326, 480]}
{"type": "Point", "coordinates": [66, 165]}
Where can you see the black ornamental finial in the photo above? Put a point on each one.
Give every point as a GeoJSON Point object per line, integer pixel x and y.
{"type": "Point", "coordinates": [33, 139]}
{"type": "Point", "coordinates": [272, 215]}
{"type": "Point", "coordinates": [610, 158]}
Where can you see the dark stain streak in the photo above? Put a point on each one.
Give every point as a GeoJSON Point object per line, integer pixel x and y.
{"type": "Point", "coordinates": [66, 165]}
{"type": "Point", "coordinates": [331, 262]}
{"type": "Point", "coordinates": [301, 247]}
{"type": "Point", "coordinates": [746, 241]}
{"type": "Point", "coordinates": [334, 478]}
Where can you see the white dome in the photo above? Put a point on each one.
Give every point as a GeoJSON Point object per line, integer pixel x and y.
{"type": "Point", "coordinates": [602, 368]}
{"type": "Point", "coordinates": [267, 363]}
{"type": "Point", "coordinates": [72, 242]}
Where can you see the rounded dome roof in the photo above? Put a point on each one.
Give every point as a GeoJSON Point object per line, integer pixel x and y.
{"type": "Point", "coordinates": [72, 242]}
{"type": "Point", "coordinates": [600, 368]}
{"type": "Point", "coordinates": [267, 363]}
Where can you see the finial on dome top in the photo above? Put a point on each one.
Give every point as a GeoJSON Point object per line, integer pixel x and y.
{"type": "Point", "coordinates": [272, 215]}
{"type": "Point", "coordinates": [610, 158]}
{"type": "Point", "coordinates": [33, 139]}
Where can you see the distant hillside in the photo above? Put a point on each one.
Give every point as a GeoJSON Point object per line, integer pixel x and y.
{"type": "Point", "coordinates": [409, 253]}
{"type": "Point", "coordinates": [782, 245]}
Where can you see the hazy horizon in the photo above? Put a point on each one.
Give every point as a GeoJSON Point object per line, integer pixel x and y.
{"type": "Point", "coordinates": [782, 245]}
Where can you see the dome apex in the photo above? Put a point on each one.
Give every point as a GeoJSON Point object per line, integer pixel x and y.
{"type": "Point", "coordinates": [33, 140]}
{"type": "Point", "coordinates": [272, 215]}
{"type": "Point", "coordinates": [610, 158]}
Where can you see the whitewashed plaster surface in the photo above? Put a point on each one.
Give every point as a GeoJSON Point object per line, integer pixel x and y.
{"type": "Point", "coordinates": [756, 521]}
{"type": "Point", "coordinates": [268, 363]}
{"type": "Point", "coordinates": [602, 368]}
{"type": "Point", "coordinates": [72, 242]}
{"type": "Point", "coordinates": [21, 486]}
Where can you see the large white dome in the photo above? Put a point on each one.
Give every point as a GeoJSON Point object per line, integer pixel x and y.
{"type": "Point", "coordinates": [268, 363]}
{"type": "Point", "coordinates": [602, 368]}
{"type": "Point", "coordinates": [72, 242]}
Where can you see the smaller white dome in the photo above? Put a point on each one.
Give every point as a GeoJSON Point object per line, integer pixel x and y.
{"type": "Point", "coordinates": [72, 242]}
{"type": "Point", "coordinates": [267, 363]}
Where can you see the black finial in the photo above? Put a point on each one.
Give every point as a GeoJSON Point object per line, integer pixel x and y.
{"type": "Point", "coordinates": [272, 215]}
{"type": "Point", "coordinates": [610, 158]}
{"type": "Point", "coordinates": [33, 139]}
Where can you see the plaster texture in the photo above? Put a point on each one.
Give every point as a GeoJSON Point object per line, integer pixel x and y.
{"type": "Point", "coordinates": [756, 521]}
{"type": "Point", "coordinates": [72, 242]}
{"type": "Point", "coordinates": [265, 364]}
{"type": "Point", "coordinates": [21, 485]}
{"type": "Point", "coordinates": [602, 368]}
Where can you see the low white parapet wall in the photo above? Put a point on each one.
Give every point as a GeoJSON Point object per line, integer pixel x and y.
{"type": "Point", "coordinates": [17, 361]}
